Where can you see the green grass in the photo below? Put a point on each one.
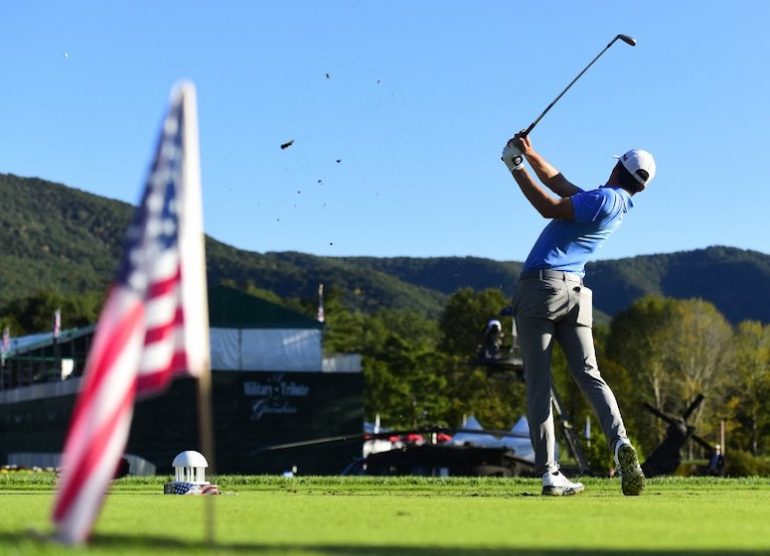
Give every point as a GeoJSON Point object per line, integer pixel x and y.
{"type": "Point", "coordinates": [395, 516]}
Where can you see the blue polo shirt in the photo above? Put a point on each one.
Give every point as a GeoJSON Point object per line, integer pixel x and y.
{"type": "Point", "coordinates": [568, 244]}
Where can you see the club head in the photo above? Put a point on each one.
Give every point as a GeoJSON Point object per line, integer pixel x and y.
{"type": "Point", "coordinates": [626, 39]}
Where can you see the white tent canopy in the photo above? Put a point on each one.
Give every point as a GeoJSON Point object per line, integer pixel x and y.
{"type": "Point", "coordinates": [521, 428]}
{"type": "Point", "coordinates": [472, 438]}
{"type": "Point", "coordinates": [518, 440]}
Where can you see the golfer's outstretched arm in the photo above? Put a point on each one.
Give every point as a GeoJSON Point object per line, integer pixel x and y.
{"type": "Point", "coordinates": [552, 178]}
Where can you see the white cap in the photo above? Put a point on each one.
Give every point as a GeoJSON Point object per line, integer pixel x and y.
{"type": "Point", "coordinates": [639, 159]}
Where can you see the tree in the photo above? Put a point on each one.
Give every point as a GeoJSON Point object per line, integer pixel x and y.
{"type": "Point", "coordinates": [697, 349]}
{"type": "Point", "coordinates": [417, 373]}
{"type": "Point", "coordinates": [495, 401]}
{"type": "Point", "coordinates": [673, 350]}
{"type": "Point", "coordinates": [402, 370]}
{"type": "Point", "coordinates": [463, 319]}
{"type": "Point", "coordinates": [344, 330]}
{"type": "Point", "coordinates": [34, 313]}
{"type": "Point", "coordinates": [748, 384]}
{"type": "Point", "coordinates": [639, 339]}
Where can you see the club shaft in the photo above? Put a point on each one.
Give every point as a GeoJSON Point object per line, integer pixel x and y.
{"type": "Point", "coordinates": [540, 117]}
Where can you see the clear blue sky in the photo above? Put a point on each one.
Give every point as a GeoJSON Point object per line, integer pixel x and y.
{"type": "Point", "coordinates": [419, 100]}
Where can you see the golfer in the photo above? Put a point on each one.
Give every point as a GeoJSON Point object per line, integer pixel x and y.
{"type": "Point", "coordinates": [552, 303]}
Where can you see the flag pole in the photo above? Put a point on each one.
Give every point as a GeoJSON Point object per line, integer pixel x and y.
{"type": "Point", "coordinates": [206, 438]}
{"type": "Point", "coordinates": [196, 290]}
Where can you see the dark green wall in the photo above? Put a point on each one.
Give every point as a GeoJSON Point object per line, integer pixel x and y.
{"type": "Point", "coordinates": [252, 411]}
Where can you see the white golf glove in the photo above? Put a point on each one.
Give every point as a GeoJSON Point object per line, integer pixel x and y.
{"type": "Point", "coordinates": [512, 157]}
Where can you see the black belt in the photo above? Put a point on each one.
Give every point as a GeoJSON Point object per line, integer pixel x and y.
{"type": "Point", "coordinates": [552, 274]}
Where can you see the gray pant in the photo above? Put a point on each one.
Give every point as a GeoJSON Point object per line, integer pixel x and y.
{"type": "Point", "coordinates": [548, 308]}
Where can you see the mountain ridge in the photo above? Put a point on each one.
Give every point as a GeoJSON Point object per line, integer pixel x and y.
{"type": "Point", "coordinates": [54, 236]}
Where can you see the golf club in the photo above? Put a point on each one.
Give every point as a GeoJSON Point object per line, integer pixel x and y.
{"type": "Point", "coordinates": [625, 38]}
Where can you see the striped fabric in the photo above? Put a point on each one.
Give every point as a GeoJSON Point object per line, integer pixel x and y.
{"type": "Point", "coordinates": [141, 340]}
{"type": "Point", "coordinates": [57, 323]}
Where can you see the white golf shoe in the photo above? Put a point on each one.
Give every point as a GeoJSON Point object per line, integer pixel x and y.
{"type": "Point", "coordinates": [556, 484]}
{"type": "Point", "coordinates": [627, 465]}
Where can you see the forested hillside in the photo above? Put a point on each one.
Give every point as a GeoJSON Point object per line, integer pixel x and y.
{"type": "Point", "coordinates": [56, 237]}
{"type": "Point", "coordinates": [417, 322]}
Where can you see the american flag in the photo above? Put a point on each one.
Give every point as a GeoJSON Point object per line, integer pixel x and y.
{"type": "Point", "coordinates": [153, 326]}
{"type": "Point", "coordinates": [5, 347]}
{"type": "Point", "coordinates": [320, 316]}
{"type": "Point", "coordinates": [56, 324]}
{"type": "Point", "coordinates": [178, 487]}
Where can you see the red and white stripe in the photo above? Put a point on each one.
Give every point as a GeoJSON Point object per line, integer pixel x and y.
{"type": "Point", "coordinates": [163, 353]}
{"type": "Point", "coordinates": [57, 323]}
{"type": "Point", "coordinates": [102, 417]}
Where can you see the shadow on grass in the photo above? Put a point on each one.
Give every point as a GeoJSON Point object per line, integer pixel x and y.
{"type": "Point", "coordinates": [122, 544]}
